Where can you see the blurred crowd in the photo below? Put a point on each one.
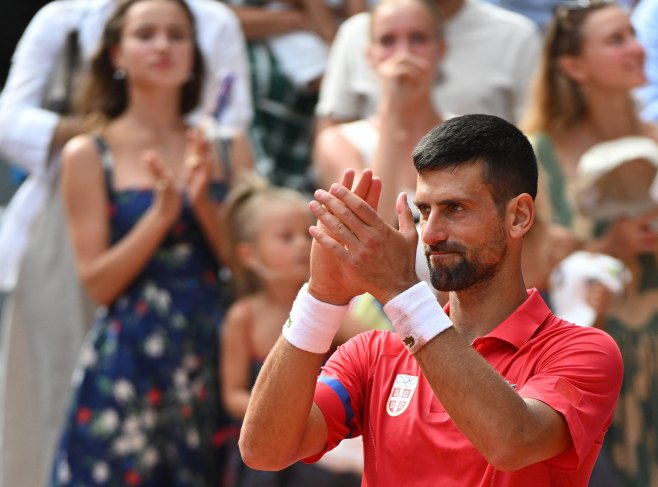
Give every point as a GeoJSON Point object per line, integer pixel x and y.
{"type": "Point", "coordinates": [163, 153]}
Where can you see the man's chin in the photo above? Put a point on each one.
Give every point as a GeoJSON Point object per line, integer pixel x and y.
{"type": "Point", "coordinates": [440, 286]}
{"type": "Point", "coordinates": [446, 285]}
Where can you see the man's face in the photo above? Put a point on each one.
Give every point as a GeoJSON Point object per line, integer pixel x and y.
{"type": "Point", "coordinates": [463, 232]}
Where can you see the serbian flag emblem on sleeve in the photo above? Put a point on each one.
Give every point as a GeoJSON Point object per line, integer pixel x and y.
{"type": "Point", "coordinates": [402, 391]}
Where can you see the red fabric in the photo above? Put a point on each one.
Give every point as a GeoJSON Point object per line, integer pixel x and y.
{"type": "Point", "coordinates": [577, 371]}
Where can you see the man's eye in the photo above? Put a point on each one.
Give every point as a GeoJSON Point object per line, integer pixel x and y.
{"type": "Point", "coordinates": [422, 208]}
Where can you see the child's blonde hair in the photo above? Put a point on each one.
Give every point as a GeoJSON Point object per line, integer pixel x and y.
{"type": "Point", "coordinates": [243, 208]}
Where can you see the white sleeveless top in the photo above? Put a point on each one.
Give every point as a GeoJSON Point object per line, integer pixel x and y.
{"type": "Point", "coordinates": [363, 135]}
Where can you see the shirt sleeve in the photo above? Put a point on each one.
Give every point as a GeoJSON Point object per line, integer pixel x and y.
{"type": "Point", "coordinates": [341, 389]}
{"type": "Point", "coordinates": [581, 380]}
{"type": "Point", "coordinates": [26, 129]}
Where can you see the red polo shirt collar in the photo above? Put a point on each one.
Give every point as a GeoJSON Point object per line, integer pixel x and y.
{"type": "Point", "coordinates": [521, 325]}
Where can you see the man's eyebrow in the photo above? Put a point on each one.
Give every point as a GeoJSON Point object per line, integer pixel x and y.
{"type": "Point", "coordinates": [420, 203]}
{"type": "Point", "coordinates": [441, 202]}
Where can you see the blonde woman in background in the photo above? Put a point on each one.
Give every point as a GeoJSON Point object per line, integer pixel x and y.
{"type": "Point", "coordinates": [405, 49]}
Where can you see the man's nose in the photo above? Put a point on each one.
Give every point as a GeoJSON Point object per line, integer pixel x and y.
{"type": "Point", "coordinates": [433, 231]}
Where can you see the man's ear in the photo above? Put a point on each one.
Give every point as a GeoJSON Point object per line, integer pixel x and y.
{"type": "Point", "coordinates": [521, 214]}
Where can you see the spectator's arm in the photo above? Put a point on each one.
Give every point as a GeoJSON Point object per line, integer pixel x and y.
{"type": "Point", "coordinates": [323, 20]}
{"type": "Point", "coordinates": [259, 23]}
{"type": "Point", "coordinates": [104, 268]}
{"type": "Point", "coordinates": [332, 155]}
{"type": "Point", "coordinates": [225, 53]}
{"type": "Point", "coordinates": [235, 365]}
{"type": "Point", "coordinates": [29, 133]}
{"type": "Point", "coordinates": [338, 101]}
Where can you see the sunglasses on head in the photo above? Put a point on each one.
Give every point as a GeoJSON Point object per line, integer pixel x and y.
{"type": "Point", "coordinates": [564, 9]}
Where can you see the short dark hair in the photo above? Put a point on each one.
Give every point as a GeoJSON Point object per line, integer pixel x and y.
{"type": "Point", "coordinates": [509, 164]}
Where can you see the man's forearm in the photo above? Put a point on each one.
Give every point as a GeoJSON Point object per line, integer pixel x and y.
{"type": "Point", "coordinates": [510, 432]}
{"type": "Point", "coordinates": [277, 430]}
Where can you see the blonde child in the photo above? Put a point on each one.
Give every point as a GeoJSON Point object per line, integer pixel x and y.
{"type": "Point", "coordinates": [268, 248]}
{"type": "Point", "coordinates": [268, 251]}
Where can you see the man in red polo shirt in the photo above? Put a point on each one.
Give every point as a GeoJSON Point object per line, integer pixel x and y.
{"type": "Point", "coordinates": [493, 390]}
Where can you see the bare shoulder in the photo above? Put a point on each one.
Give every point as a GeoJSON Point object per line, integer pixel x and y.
{"type": "Point", "coordinates": [78, 151]}
{"type": "Point", "coordinates": [237, 315]}
{"type": "Point", "coordinates": [331, 143]}
{"type": "Point", "coordinates": [327, 135]}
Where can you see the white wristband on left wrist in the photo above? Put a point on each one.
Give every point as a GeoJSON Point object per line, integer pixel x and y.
{"type": "Point", "coordinates": [312, 324]}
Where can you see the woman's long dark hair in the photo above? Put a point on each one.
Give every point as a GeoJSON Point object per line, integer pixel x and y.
{"type": "Point", "coordinates": [104, 97]}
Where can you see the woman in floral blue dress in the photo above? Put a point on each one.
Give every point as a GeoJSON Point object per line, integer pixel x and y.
{"type": "Point", "coordinates": [143, 194]}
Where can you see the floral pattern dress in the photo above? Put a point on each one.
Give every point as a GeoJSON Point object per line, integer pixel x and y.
{"type": "Point", "coordinates": [146, 407]}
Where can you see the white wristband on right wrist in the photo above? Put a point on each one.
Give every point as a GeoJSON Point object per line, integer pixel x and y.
{"type": "Point", "coordinates": [417, 316]}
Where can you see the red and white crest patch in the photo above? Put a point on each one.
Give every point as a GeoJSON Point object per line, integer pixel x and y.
{"type": "Point", "coordinates": [402, 391]}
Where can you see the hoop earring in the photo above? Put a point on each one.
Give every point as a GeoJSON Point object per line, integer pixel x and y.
{"type": "Point", "coordinates": [119, 74]}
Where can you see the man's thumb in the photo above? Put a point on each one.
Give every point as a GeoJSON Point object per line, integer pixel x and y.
{"type": "Point", "coordinates": [406, 223]}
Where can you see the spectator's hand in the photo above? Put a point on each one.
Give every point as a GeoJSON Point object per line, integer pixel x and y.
{"type": "Point", "coordinates": [198, 164]}
{"type": "Point", "coordinates": [325, 282]}
{"type": "Point", "coordinates": [599, 297]}
{"type": "Point", "coordinates": [402, 77]}
{"type": "Point", "coordinates": [366, 254]}
{"type": "Point", "coordinates": [167, 201]}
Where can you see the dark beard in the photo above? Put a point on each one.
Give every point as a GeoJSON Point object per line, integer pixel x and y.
{"type": "Point", "coordinates": [466, 273]}
{"type": "Point", "coordinates": [454, 277]}
{"type": "Point", "coordinates": [459, 276]}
